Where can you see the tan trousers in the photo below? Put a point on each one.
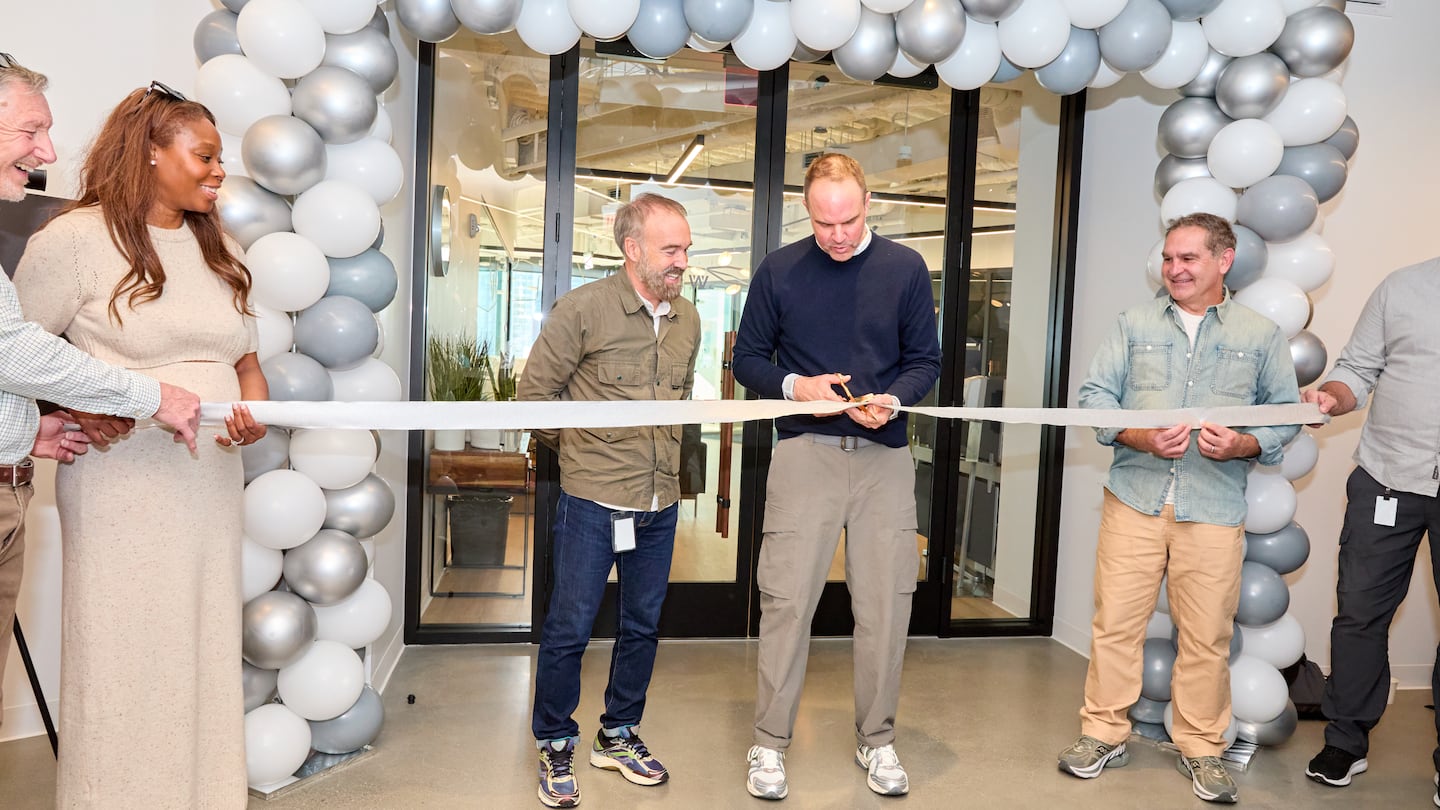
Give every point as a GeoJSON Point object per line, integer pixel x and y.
{"type": "Point", "coordinates": [1203, 562]}
{"type": "Point", "coordinates": [815, 490]}
{"type": "Point", "coordinates": [12, 565]}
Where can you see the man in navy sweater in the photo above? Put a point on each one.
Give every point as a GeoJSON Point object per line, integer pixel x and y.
{"type": "Point", "coordinates": [853, 309]}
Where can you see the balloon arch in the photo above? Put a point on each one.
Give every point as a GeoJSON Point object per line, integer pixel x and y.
{"type": "Point", "coordinates": [1259, 136]}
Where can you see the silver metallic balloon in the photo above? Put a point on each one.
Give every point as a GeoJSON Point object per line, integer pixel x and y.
{"type": "Point", "coordinates": [259, 685]}
{"type": "Point", "coordinates": [1271, 732]}
{"type": "Point", "coordinates": [271, 452]}
{"type": "Point", "coordinates": [1315, 41]}
{"type": "Point", "coordinates": [1075, 67]}
{"type": "Point", "coordinates": [1251, 256]}
{"type": "Point", "coordinates": [718, 20]}
{"type": "Point", "coordinates": [338, 331]}
{"type": "Point", "coordinates": [295, 377]}
{"type": "Point", "coordinates": [339, 104]}
{"type": "Point", "coordinates": [369, 277]}
{"type": "Point", "coordinates": [804, 54]}
{"type": "Point", "coordinates": [1264, 597]}
{"type": "Point", "coordinates": [1146, 710]}
{"type": "Point", "coordinates": [1319, 164]}
{"type": "Point", "coordinates": [929, 30]}
{"type": "Point", "coordinates": [1204, 84]}
{"type": "Point", "coordinates": [362, 510]}
{"type": "Point", "coordinates": [366, 53]}
{"type": "Point", "coordinates": [1285, 550]}
{"type": "Point", "coordinates": [379, 22]}
{"type": "Point", "coordinates": [276, 628]}
{"type": "Point", "coordinates": [1137, 37]}
{"type": "Point", "coordinates": [1158, 662]}
{"type": "Point", "coordinates": [1346, 139]}
{"type": "Point", "coordinates": [234, 5]}
{"type": "Point", "coordinates": [660, 29]}
{"type": "Point", "coordinates": [249, 211]}
{"type": "Point", "coordinates": [989, 11]}
{"type": "Point", "coordinates": [283, 154]}
{"type": "Point", "coordinates": [1186, 10]}
{"type": "Point", "coordinates": [1173, 169]}
{"type": "Point", "coordinates": [1279, 208]}
{"type": "Point", "coordinates": [487, 16]}
{"type": "Point", "coordinates": [215, 35]}
{"type": "Point", "coordinates": [1310, 358]}
{"type": "Point", "coordinates": [1252, 86]}
{"type": "Point", "coordinates": [1007, 71]}
{"type": "Point", "coordinates": [430, 20]}
{"type": "Point", "coordinates": [1189, 125]}
{"type": "Point", "coordinates": [870, 51]}
{"type": "Point", "coordinates": [356, 728]}
{"type": "Point", "coordinates": [326, 568]}
{"type": "Point", "coordinates": [1338, 5]}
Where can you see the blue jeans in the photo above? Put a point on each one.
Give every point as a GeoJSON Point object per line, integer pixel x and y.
{"type": "Point", "coordinates": [583, 557]}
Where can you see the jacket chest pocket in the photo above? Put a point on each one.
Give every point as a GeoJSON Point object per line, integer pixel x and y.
{"type": "Point", "coordinates": [678, 372]}
{"type": "Point", "coordinates": [1149, 367]}
{"type": "Point", "coordinates": [1237, 372]}
{"type": "Point", "coordinates": [626, 375]}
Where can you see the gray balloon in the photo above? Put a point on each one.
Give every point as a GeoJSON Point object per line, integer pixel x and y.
{"type": "Point", "coordinates": [1338, 5]}
{"type": "Point", "coordinates": [929, 30]}
{"type": "Point", "coordinates": [283, 154]}
{"type": "Point", "coordinates": [1279, 208]}
{"type": "Point", "coordinates": [1315, 41]}
{"type": "Point", "coordinates": [804, 54]}
{"type": "Point", "coordinates": [1075, 67]}
{"type": "Point", "coordinates": [1204, 84]}
{"type": "Point", "coordinates": [366, 53]}
{"type": "Point", "coordinates": [1186, 10]}
{"type": "Point", "coordinates": [249, 211]}
{"type": "Point", "coordinates": [369, 277]}
{"type": "Point", "coordinates": [379, 22]}
{"type": "Point", "coordinates": [1251, 256]}
{"type": "Point", "coordinates": [326, 568]}
{"type": "Point", "coordinates": [1252, 86]}
{"type": "Point", "coordinates": [362, 510]}
{"type": "Point", "coordinates": [989, 11]}
{"type": "Point", "coordinates": [1137, 37]}
{"type": "Point", "coordinates": [430, 20]}
{"type": "Point", "coordinates": [660, 30]}
{"type": "Point", "coordinates": [1146, 710]}
{"type": "Point", "coordinates": [215, 35]}
{"type": "Point", "coordinates": [339, 104]}
{"type": "Point", "coordinates": [718, 20]}
{"type": "Point", "coordinates": [1319, 164]}
{"type": "Point", "coordinates": [1283, 551]}
{"type": "Point", "coordinates": [276, 628]}
{"type": "Point", "coordinates": [487, 16]}
{"type": "Point", "coordinates": [271, 452]}
{"type": "Point", "coordinates": [379, 237]}
{"type": "Point", "coordinates": [353, 730]}
{"type": "Point", "coordinates": [1007, 71]}
{"type": "Point", "coordinates": [1271, 732]}
{"type": "Point", "coordinates": [234, 5]}
{"type": "Point", "coordinates": [1189, 125]}
{"type": "Point", "coordinates": [338, 331]}
{"type": "Point", "coordinates": [259, 685]}
{"type": "Point", "coordinates": [1264, 598]}
{"type": "Point", "coordinates": [1237, 641]}
{"type": "Point", "coordinates": [296, 378]}
{"type": "Point", "coordinates": [1308, 354]}
{"type": "Point", "coordinates": [871, 50]}
{"type": "Point", "coordinates": [1346, 139]}
{"type": "Point", "coordinates": [1173, 169]}
{"type": "Point", "coordinates": [1159, 662]}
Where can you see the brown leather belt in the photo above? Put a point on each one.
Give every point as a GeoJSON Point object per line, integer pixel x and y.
{"type": "Point", "coordinates": [17, 475]}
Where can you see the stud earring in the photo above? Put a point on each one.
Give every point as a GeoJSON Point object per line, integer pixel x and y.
{"type": "Point", "coordinates": [152, 161]}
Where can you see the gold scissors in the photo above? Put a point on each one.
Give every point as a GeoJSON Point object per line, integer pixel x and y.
{"type": "Point", "coordinates": [848, 396]}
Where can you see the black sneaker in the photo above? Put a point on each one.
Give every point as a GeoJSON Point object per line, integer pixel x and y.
{"type": "Point", "coordinates": [1334, 766]}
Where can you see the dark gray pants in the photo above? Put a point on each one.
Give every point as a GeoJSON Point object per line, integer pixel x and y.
{"type": "Point", "coordinates": [1375, 567]}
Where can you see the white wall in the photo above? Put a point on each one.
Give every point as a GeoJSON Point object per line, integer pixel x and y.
{"type": "Point", "coordinates": [1384, 219]}
{"type": "Point", "coordinates": [95, 53]}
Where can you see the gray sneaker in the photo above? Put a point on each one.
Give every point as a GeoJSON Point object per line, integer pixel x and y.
{"type": "Point", "coordinates": [1209, 778]}
{"type": "Point", "coordinates": [1087, 757]}
{"type": "Point", "coordinates": [886, 775]}
{"type": "Point", "coordinates": [767, 773]}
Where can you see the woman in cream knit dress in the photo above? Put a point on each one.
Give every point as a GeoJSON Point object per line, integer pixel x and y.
{"type": "Point", "coordinates": [138, 273]}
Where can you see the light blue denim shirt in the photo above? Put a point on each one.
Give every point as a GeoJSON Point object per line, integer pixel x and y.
{"type": "Point", "coordinates": [1240, 358]}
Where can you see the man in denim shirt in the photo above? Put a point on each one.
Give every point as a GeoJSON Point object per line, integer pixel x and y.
{"type": "Point", "coordinates": [1175, 503]}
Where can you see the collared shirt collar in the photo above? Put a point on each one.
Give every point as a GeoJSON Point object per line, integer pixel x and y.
{"type": "Point", "coordinates": [631, 299]}
{"type": "Point", "coordinates": [1222, 309]}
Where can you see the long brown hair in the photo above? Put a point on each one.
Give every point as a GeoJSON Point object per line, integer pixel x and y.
{"type": "Point", "coordinates": [118, 178]}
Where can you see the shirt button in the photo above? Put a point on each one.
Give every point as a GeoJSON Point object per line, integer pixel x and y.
{"type": "Point", "coordinates": [1191, 382]}
{"type": "Point", "coordinates": [1240, 354]}
{"type": "Point", "coordinates": [1148, 348]}
{"type": "Point", "coordinates": [1187, 355]}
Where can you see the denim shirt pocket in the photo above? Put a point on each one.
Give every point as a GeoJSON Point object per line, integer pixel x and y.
{"type": "Point", "coordinates": [1237, 372]}
{"type": "Point", "coordinates": [1149, 366]}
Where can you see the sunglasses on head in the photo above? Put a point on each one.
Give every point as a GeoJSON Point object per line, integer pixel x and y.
{"type": "Point", "coordinates": [8, 61]}
{"type": "Point", "coordinates": [162, 89]}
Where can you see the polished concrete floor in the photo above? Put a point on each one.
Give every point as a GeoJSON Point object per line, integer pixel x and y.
{"type": "Point", "coordinates": [980, 723]}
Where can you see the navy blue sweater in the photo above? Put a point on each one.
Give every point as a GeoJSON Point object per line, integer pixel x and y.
{"type": "Point", "coordinates": [872, 317]}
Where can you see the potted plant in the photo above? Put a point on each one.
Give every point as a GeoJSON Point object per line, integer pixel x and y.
{"type": "Point", "coordinates": [457, 371]}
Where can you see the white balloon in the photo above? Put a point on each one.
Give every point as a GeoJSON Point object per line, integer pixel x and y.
{"type": "Point", "coordinates": [281, 36]}
{"type": "Point", "coordinates": [1244, 27]}
{"type": "Point", "coordinates": [1269, 499]}
{"type": "Point", "coordinates": [1311, 111]}
{"type": "Point", "coordinates": [276, 330]}
{"type": "Point", "coordinates": [1258, 693]}
{"type": "Point", "coordinates": [239, 93]}
{"type": "Point", "coordinates": [334, 459]}
{"type": "Point", "coordinates": [1183, 58]}
{"type": "Point", "coordinates": [1159, 626]}
{"type": "Point", "coordinates": [1035, 33]}
{"type": "Point", "coordinates": [699, 43]}
{"type": "Point", "coordinates": [1300, 456]}
{"type": "Point", "coordinates": [904, 67]}
{"type": "Point", "coordinates": [341, 16]}
{"type": "Point", "coordinates": [1306, 261]}
{"type": "Point", "coordinates": [546, 26]}
{"type": "Point", "coordinates": [283, 508]}
{"type": "Point", "coordinates": [1199, 194]}
{"type": "Point", "coordinates": [824, 25]}
{"type": "Point", "coordinates": [1107, 76]}
{"type": "Point", "coordinates": [1155, 265]}
{"type": "Point", "coordinates": [888, 6]}
{"type": "Point", "coordinates": [1292, 6]}
{"type": "Point", "coordinates": [325, 682]}
{"type": "Point", "coordinates": [976, 59]}
{"type": "Point", "coordinates": [1093, 13]}
{"type": "Point", "coordinates": [358, 619]}
{"type": "Point", "coordinates": [260, 568]}
{"type": "Point", "coordinates": [1279, 644]}
{"type": "Point", "coordinates": [340, 218]}
{"type": "Point", "coordinates": [1282, 302]}
{"type": "Point", "coordinates": [1245, 152]}
{"type": "Point", "coordinates": [288, 272]}
{"type": "Point", "coordinates": [277, 741]}
{"type": "Point", "coordinates": [371, 381]}
{"type": "Point", "coordinates": [768, 39]}
{"type": "Point", "coordinates": [604, 21]}
{"type": "Point", "coordinates": [369, 163]}
{"type": "Point", "coordinates": [382, 129]}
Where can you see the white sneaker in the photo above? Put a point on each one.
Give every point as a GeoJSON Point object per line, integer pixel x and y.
{"type": "Point", "coordinates": [886, 775]}
{"type": "Point", "coordinates": [767, 773]}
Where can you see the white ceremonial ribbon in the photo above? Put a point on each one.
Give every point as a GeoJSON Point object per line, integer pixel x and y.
{"type": "Point", "coordinates": [639, 413]}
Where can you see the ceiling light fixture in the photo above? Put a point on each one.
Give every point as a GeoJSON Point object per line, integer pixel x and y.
{"type": "Point", "coordinates": [692, 151]}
